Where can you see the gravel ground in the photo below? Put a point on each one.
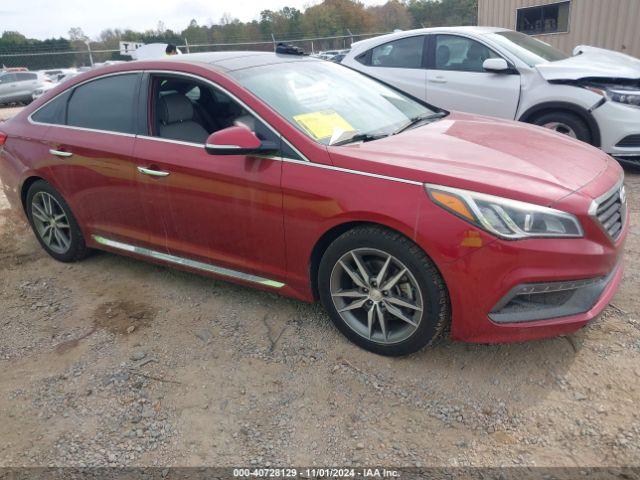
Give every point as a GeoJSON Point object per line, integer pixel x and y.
{"type": "Point", "coordinates": [112, 361]}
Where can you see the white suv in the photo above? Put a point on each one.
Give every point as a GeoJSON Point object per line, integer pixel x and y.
{"type": "Point", "coordinates": [593, 96]}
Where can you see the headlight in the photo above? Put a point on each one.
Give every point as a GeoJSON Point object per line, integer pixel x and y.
{"type": "Point", "coordinates": [618, 94]}
{"type": "Point", "coordinates": [504, 217]}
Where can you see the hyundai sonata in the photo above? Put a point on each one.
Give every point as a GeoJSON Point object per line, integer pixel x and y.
{"type": "Point", "coordinates": [302, 177]}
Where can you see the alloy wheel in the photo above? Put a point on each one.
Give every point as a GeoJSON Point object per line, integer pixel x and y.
{"type": "Point", "coordinates": [562, 128]}
{"type": "Point", "coordinates": [51, 222]}
{"type": "Point", "coordinates": [376, 295]}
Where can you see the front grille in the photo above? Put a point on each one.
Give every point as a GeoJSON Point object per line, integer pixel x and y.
{"type": "Point", "coordinates": [610, 212]}
{"type": "Point", "coordinates": [629, 141]}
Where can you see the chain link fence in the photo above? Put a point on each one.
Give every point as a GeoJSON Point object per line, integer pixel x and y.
{"type": "Point", "coordinates": [37, 58]}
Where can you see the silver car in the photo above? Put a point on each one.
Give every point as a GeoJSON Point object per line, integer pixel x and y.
{"type": "Point", "coordinates": [19, 86]}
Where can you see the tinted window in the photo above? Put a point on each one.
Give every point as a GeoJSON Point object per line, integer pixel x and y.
{"type": "Point", "coordinates": [551, 18]}
{"type": "Point", "coordinates": [105, 104]}
{"type": "Point", "coordinates": [54, 111]}
{"type": "Point", "coordinates": [26, 76]}
{"type": "Point", "coordinates": [460, 53]}
{"type": "Point", "coordinates": [8, 78]}
{"type": "Point", "coordinates": [403, 53]}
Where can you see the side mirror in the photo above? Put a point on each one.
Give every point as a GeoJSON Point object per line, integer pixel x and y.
{"type": "Point", "coordinates": [237, 141]}
{"type": "Point", "coordinates": [496, 65]}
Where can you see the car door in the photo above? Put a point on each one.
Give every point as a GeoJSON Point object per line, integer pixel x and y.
{"type": "Point", "coordinates": [8, 88]}
{"type": "Point", "coordinates": [400, 63]}
{"type": "Point", "coordinates": [26, 84]}
{"type": "Point", "coordinates": [223, 211]}
{"type": "Point", "coordinates": [457, 81]}
{"type": "Point", "coordinates": [91, 141]}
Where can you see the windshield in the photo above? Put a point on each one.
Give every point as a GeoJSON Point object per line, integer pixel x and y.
{"type": "Point", "coordinates": [329, 102]}
{"type": "Point", "coordinates": [528, 49]}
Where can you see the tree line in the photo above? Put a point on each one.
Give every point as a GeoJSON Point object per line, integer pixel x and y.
{"type": "Point", "coordinates": [327, 19]}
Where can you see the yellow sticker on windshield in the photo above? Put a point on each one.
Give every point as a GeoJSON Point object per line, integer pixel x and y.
{"type": "Point", "coordinates": [322, 124]}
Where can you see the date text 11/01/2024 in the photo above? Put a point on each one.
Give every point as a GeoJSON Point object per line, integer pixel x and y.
{"type": "Point", "coordinates": [315, 473]}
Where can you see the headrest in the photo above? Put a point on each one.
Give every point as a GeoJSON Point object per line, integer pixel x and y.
{"type": "Point", "coordinates": [442, 55]}
{"type": "Point", "coordinates": [174, 108]}
{"type": "Point", "coordinates": [475, 51]}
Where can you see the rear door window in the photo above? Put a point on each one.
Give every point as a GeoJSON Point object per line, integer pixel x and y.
{"type": "Point", "coordinates": [402, 53]}
{"type": "Point", "coordinates": [107, 103]}
{"type": "Point", "coordinates": [26, 76]}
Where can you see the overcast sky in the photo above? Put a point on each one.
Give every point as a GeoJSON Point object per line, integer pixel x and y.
{"type": "Point", "coordinates": [41, 19]}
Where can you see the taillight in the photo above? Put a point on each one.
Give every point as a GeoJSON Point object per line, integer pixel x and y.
{"type": "Point", "coordinates": [3, 138]}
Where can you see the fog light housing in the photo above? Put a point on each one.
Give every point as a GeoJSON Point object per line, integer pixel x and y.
{"type": "Point", "coordinates": [530, 302]}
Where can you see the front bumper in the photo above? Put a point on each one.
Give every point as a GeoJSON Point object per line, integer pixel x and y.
{"type": "Point", "coordinates": [480, 281]}
{"type": "Point", "coordinates": [618, 122]}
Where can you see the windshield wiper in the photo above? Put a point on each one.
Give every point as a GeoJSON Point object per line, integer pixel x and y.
{"type": "Point", "coordinates": [419, 119]}
{"type": "Point", "coordinates": [360, 137]}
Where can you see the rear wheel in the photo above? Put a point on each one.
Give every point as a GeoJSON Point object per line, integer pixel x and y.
{"type": "Point", "coordinates": [383, 292]}
{"type": "Point", "coordinates": [566, 123]}
{"type": "Point", "coordinates": [53, 223]}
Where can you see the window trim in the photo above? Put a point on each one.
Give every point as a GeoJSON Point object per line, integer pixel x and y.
{"type": "Point", "coordinates": [545, 5]}
{"type": "Point", "coordinates": [139, 104]}
{"type": "Point", "coordinates": [423, 60]}
{"type": "Point", "coordinates": [431, 59]}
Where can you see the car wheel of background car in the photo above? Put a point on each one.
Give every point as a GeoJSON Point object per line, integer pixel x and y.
{"type": "Point", "coordinates": [383, 292]}
{"type": "Point", "coordinates": [53, 223]}
{"type": "Point", "coordinates": [566, 123]}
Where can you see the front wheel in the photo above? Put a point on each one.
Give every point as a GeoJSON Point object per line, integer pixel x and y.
{"type": "Point", "coordinates": [383, 292]}
{"type": "Point", "coordinates": [566, 123]}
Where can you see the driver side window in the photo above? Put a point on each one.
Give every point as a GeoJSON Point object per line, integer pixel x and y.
{"type": "Point", "coordinates": [461, 54]}
{"type": "Point", "coordinates": [187, 110]}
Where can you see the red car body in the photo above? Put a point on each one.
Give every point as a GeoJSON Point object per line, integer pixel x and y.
{"type": "Point", "coordinates": [271, 218]}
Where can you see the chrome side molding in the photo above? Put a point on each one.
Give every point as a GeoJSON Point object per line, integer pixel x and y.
{"type": "Point", "coordinates": [205, 267]}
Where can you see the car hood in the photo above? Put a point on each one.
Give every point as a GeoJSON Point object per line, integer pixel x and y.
{"type": "Point", "coordinates": [591, 62]}
{"type": "Point", "coordinates": [483, 154]}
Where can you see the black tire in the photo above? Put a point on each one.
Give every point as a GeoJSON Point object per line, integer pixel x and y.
{"type": "Point", "coordinates": [435, 314]}
{"type": "Point", "coordinates": [77, 248]}
{"type": "Point", "coordinates": [566, 119]}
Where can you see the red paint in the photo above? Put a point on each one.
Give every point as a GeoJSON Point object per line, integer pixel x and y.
{"type": "Point", "coordinates": [264, 216]}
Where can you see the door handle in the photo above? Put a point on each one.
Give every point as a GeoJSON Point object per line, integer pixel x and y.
{"type": "Point", "coordinates": [438, 80]}
{"type": "Point", "coordinates": [153, 173]}
{"type": "Point", "coordinates": [60, 153]}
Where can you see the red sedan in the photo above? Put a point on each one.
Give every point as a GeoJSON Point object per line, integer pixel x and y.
{"type": "Point", "coordinates": [303, 177]}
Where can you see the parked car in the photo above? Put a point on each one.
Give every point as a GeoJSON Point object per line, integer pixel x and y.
{"type": "Point", "coordinates": [593, 96]}
{"type": "Point", "coordinates": [38, 92]}
{"type": "Point", "coordinates": [304, 178]}
{"type": "Point", "coordinates": [19, 86]}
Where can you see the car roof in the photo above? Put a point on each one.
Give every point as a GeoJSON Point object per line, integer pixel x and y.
{"type": "Point", "coordinates": [423, 31]}
{"type": "Point", "coordinates": [237, 60]}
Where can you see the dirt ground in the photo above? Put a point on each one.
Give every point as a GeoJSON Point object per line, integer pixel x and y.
{"type": "Point", "coordinates": [112, 361]}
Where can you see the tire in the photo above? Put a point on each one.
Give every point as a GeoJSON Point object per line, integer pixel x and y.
{"type": "Point", "coordinates": [421, 286]}
{"type": "Point", "coordinates": [565, 122]}
{"type": "Point", "coordinates": [65, 242]}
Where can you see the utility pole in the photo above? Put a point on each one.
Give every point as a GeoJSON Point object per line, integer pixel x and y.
{"type": "Point", "coordinates": [89, 50]}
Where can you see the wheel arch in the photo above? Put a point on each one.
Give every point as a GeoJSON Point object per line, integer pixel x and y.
{"type": "Point", "coordinates": [24, 189]}
{"type": "Point", "coordinates": [583, 113]}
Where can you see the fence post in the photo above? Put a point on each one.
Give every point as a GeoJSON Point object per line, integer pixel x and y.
{"type": "Point", "coordinates": [89, 50]}
{"type": "Point", "coordinates": [186, 44]}
{"type": "Point", "coordinates": [351, 35]}
{"type": "Point", "coordinates": [274, 42]}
